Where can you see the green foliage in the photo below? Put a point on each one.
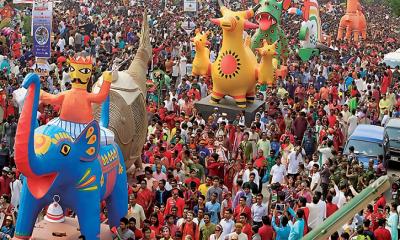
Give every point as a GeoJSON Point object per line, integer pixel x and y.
{"type": "Point", "coordinates": [5, 23]}
{"type": "Point", "coordinates": [395, 4]}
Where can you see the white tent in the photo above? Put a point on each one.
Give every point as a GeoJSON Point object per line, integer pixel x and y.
{"type": "Point", "coordinates": [392, 59]}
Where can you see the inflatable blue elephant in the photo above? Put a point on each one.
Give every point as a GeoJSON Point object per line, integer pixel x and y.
{"type": "Point", "coordinates": [81, 171]}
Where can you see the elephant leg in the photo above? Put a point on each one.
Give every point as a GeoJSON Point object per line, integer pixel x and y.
{"type": "Point", "coordinates": [27, 214]}
{"type": "Point", "coordinates": [356, 35]}
{"type": "Point", "coordinates": [340, 32]}
{"type": "Point", "coordinates": [250, 97]}
{"type": "Point", "coordinates": [216, 97]}
{"type": "Point", "coordinates": [348, 33]}
{"type": "Point", "coordinates": [240, 100]}
{"type": "Point", "coordinates": [88, 211]}
{"type": "Point", "coordinates": [117, 202]}
{"type": "Point", "coordinates": [364, 34]}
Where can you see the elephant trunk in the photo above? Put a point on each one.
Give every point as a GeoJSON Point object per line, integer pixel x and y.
{"type": "Point", "coordinates": [139, 65]}
{"type": "Point", "coordinates": [24, 139]}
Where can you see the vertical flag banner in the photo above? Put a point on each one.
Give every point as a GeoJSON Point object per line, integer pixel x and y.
{"type": "Point", "coordinates": [42, 16]}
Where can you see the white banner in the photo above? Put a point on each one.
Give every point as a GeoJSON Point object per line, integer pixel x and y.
{"type": "Point", "coordinates": [190, 5]}
{"type": "Point", "coordinates": [23, 1]}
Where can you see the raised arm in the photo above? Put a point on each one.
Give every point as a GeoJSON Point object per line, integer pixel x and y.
{"type": "Point", "coordinates": [48, 98]}
{"type": "Point", "coordinates": [104, 90]}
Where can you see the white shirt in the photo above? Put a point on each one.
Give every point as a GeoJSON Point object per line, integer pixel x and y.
{"type": "Point", "coordinates": [61, 44]}
{"type": "Point", "coordinates": [339, 199]}
{"type": "Point", "coordinates": [278, 173]}
{"type": "Point", "coordinates": [246, 176]}
{"type": "Point", "coordinates": [169, 105]}
{"type": "Point", "coordinates": [326, 153]}
{"type": "Point", "coordinates": [71, 40]}
{"type": "Point", "coordinates": [16, 187]}
{"type": "Point", "coordinates": [138, 213]}
{"type": "Point", "coordinates": [227, 227]}
{"type": "Point", "coordinates": [316, 215]}
{"type": "Point", "coordinates": [353, 121]}
{"type": "Point", "coordinates": [385, 120]}
{"type": "Point", "coordinates": [241, 236]}
{"type": "Point", "coordinates": [294, 161]}
{"type": "Point", "coordinates": [316, 179]}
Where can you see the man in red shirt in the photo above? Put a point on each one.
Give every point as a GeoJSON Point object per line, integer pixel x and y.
{"type": "Point", "coordinates": [266, 231]}
{"type": "Point", "coordinates": [193, 178]}
{"type": "Point", "coordinates": [175, 200]}
{"type": "Point", "coordinates": [242, 208]}
{"type": "Point", "coordinates": [381, 233]}
{"type": "Point", "coordinates": [246, 226]}
{"type": "Point", "coordinates": [145, 197]}
{"type": "Point", "coordinates": [330, 207]}
{"type": "Point", "coordinates": [190, 228]}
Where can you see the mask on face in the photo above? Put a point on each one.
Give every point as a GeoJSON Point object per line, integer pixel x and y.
{"type": "Point", "coordinates": [80, 71]}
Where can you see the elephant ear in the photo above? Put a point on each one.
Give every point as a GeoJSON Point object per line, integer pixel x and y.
{"type": "Point", "coordinates": [88, 142]}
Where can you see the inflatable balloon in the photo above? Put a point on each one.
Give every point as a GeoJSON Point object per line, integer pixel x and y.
{"type": "Point", "coordinates": [353, 22]}
{"type": "Point", "coordinates": [268, 64]}
{"type": "Point", "coordinates": [234, 71]}
{"type": "Point", "coordinates": [310, 30]}
{"type": "Point", "coordinates": [268, 17]}
{"type": "Point", "coordinates": [201, 62]}
{"type": "Point", "coordinates": [69, 157]}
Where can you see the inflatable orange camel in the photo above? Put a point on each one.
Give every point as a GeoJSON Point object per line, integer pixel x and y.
{"type": "Point", "coordinates": [353, 22]}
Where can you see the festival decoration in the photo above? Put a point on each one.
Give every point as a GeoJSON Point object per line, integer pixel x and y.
{"type": "Point", "coordinates": [234, 71]}
{"type": "Point", "coordinates": [268, 64]}
{"type": "Point", "coordinates": [310, 30]}
{"type": "Point", "coordinates": [81, 170]}
{"type": "Point", "coordinates": [128, 115]}
{"type": "Point", "coordinates": [353, 22]}
{"type": "Point", "coordinates": [268, 17]}
{"type": "Point", "coordinates": [55, 212]}
{"type": "Point", "coordinates": [201, 62]}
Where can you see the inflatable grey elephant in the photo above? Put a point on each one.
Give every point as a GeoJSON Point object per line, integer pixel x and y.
{"type": "Point", "coordinates": [128, 115]}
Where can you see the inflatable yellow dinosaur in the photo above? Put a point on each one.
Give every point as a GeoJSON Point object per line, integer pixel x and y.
{"type": "Point", "coordinates": [268, 64]}
{"type": "Point", "coordinates": [201, 61]}
{"type": "Point", "coordinates": [235, 69]}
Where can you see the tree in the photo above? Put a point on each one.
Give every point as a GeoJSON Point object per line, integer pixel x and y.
{"type": "Point", "coordinates": [395, 4]}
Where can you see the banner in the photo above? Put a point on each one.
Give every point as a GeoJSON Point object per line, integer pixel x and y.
{"type": "Point", "coordinates": [190, 5]}
{"type": "Point", "coordinates": [41, 67]}
{"type": "Point", "coordinates": [42, 16]}
{"type": "Point", "coordinates": [23, 1]}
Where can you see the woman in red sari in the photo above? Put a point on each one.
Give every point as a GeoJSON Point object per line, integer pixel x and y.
{"type": "Point", "coordinates": [338, 137]}
{"type": "Point", "coordinates": [385, 83]}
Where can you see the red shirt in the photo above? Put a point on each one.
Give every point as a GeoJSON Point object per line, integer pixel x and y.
{"type": "Point", "coordinates": [382, 234]}
{"type": "Point", "coordinates": [179, 203]}
{"type": "Point", "coordinates": [145, 198]}
{"type": "Point", "coordinates": [266, 232]}
{"type": "Point", "coordinates": [190, 229]}
{"type": "Point", "coordinates": [260, 162]}
{"type": "Point", "coordinates": [247, 230]}
{"type": "Point", "coordinates": [330, 209]}
{"type": "Point", "coordinates": [239, 210]}
{"type": "Point", "coordinates": [192, 179]}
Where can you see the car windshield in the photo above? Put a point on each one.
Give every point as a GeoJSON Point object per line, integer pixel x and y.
{"type": "Point", "coordinates": [393, 133]}
{"type": "Point", "coordinates": [365, 148]}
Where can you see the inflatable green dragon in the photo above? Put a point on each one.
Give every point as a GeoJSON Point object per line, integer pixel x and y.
{"type": "Point", "coordinates": [268, 17]}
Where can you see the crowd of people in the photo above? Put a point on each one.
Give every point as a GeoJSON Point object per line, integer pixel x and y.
{"type": "Point", "coordinates": [214, 177]}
